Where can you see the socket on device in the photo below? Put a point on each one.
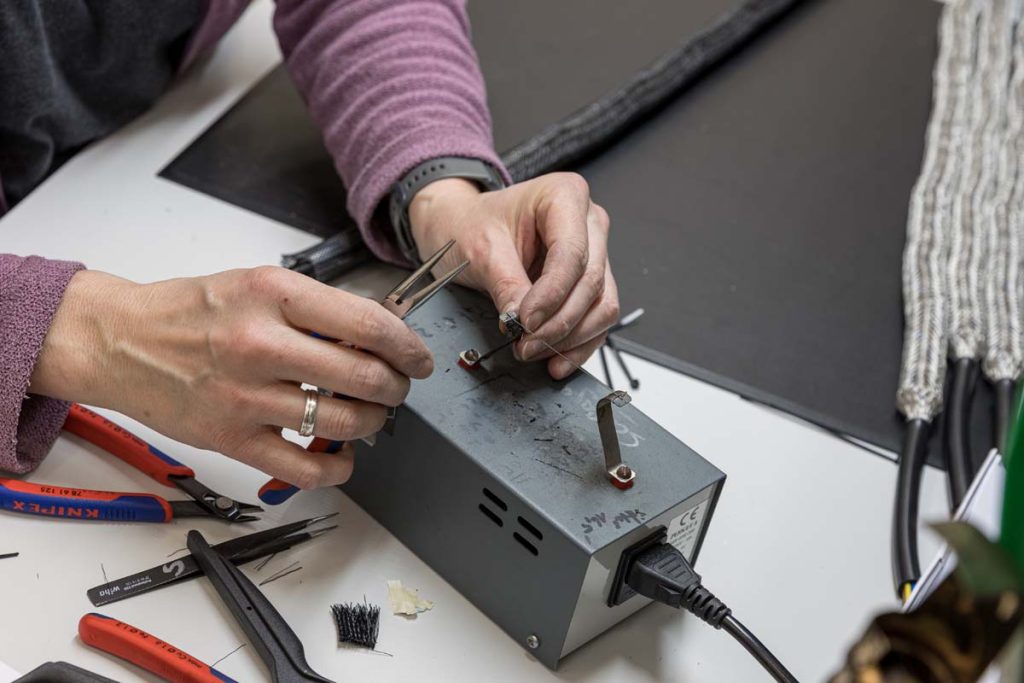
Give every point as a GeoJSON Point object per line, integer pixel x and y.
{"type": "Point", "coordinates": [494, 476]}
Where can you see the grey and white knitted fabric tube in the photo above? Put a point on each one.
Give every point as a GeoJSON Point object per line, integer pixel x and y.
{"type": "Point", "coordinates": [966, 237]}
{"type": "Point", "coordinates": [1004, 143]}
{"type": "Point", "coordinates": [925, 287]}
{"type": "Point", "coordinates": [1015, 227]}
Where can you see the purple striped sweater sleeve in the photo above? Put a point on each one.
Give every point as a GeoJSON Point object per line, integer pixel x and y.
{"type": "Point", "coordinates": [30, 291]}
{"type": "Point", "coordinates": [391, 83]}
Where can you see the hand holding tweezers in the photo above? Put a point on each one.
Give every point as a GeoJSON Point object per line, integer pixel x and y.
{"type": "Point", "coordinates": [401, 303]}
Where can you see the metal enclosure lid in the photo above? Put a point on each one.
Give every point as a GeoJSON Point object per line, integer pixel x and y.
{"type": "Point", "coordinates": [538, 436]}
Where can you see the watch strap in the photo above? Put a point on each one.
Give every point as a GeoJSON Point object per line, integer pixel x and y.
{"type": "Point", "coordinates": [482, 173]}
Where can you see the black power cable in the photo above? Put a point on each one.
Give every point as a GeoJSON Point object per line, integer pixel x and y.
{"type": "Point", "coordinates": [959, 462]}
{"type": "Point", "coordinates": [908, 488]}
{"type": "Point", "coordinates": [755, 647]}
{"type": "Point", "coordinates": [663, 574]}
{"type": "Point", "coordinates": [1004, 407]}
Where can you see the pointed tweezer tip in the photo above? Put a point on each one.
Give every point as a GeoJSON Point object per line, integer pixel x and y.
{"type": "Point", "coordinates": [457, 271]}
{"type": "Point", "coordinates": [398, 293]}
{"type": "Point", "coordinates": [316, 520]}
{"type": "Point", "coordinates": [441, 282]}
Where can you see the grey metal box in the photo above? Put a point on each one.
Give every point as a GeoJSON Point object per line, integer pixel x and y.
{"type": "Point", "coordinates": [495, 478]}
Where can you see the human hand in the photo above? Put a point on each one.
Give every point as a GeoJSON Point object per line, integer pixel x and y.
{"type": "Point", "coordinates": [539, 248]}
{"type": "Point", "coordinates": [216, 362]}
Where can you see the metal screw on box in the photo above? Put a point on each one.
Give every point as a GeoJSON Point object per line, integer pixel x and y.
{"type": "Point", "coordinates": [469, 358]}
{"type": "Point", "coordinates": [532, 642]}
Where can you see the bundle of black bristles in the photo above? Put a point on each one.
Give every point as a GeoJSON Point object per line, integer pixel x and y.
{"type": "Point", "coordinates": [358, 623]}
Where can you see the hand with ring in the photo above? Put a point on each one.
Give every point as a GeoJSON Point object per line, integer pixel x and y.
{"type": "Point", "coordinates": [218, 362]}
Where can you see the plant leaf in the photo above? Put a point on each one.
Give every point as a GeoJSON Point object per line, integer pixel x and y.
{"type": "Point", "coordinates": [984, 566]}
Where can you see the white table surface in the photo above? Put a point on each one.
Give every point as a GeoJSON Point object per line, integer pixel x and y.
{"type": "Point", "coordinates": [799, 546]}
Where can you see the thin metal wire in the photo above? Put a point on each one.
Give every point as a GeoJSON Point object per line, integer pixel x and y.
{"type": "Point", "coordinates": [561, 355]}
{"type": "Point", "coordinates": [228, 655]}
{"type": "Point", "coordinates": [280, 575]}
{"type": "Point", "coordinates": [267, 559]}
{"type": "Point", "coordinates": [503, 345]}
{"type": "Point", "coordinates": [279, 572]}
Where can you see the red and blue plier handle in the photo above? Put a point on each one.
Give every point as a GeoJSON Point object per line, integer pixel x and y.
{"type": "Point", "coordinates": [142, 649]}
{"type": "Point", "coordinates": [276, 491]}
{"type": "Point", "coordinates": [119, 442]}
{"type": "Point", "coordinates": [99, 506]}
{"type": "Point", "coordinates": [58, 501]}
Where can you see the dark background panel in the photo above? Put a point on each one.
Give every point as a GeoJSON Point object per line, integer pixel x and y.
{"type": "Point", "coordinates": [764, 232]}
{"type": "Point", "coordinates": [266, 156]}
{"type": "Point", "coordinates": [543, 59]}
{"type": "Point", "coordinates": [759, 219]}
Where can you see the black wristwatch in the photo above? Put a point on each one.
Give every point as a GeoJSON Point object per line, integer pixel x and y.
{"type": "Point", "coordinates": [480, 172]}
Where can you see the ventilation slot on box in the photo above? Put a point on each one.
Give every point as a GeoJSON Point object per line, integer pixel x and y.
{"type": "Point", "coordinates": [531, 528]}
{"type": "Point", "coordinates": [490, 515]}
{"type": "Point", "coordinates": [523, 542]}
{"type": "Point", "coordinates": [494, 499]}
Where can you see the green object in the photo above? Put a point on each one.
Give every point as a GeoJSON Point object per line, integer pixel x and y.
{"type": "Point", "coordinates": [985, 568]}
{"type": "Point", "coordinates": [1012, 536]}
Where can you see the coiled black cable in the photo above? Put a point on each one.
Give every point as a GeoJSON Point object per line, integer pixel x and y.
{"type": "Point", "coordinates": [906, 569]}
{"type": "Point", "coordinates": [959, 463]}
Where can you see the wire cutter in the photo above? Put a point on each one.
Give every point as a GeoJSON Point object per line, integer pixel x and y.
{"type": "Point", "coordinates": [399, 302]}
{"type": "Point", "coordinates": [268, 632]}
{"type": "Point", "coordinates": [153, 654]}
{"type": "Point", "coordinates": [57, 501]}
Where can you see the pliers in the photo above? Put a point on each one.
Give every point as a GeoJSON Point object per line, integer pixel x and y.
{"type": "Point", "coordinates": [401, 304]}
{"type": "Point", "coordinates": [57, 501]}
{"type": "Point", "coordinates": [153, 654]}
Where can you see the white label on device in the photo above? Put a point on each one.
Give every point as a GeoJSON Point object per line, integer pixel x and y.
{"type": "Point", "coordinates": [684, 530]}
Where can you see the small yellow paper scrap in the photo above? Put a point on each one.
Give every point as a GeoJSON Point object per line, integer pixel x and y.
{"type": "Point", "coordinates": [406, 600]}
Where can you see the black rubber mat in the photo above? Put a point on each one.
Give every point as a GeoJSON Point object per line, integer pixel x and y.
{"type": "Point", "coordinates": [759, 219]}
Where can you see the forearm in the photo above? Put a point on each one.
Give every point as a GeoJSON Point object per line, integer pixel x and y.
{"type": "Point", "coordinates": [75, 360]}
{"type": "Point", "coordinates": [391, 83]}
{"type": "Point", "coordinates": [216, 362]}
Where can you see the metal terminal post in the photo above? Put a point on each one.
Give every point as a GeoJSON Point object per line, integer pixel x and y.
{"type": "Point", "coordinates": [469, 359]}
{"type": "Point", "coordinates": [620, 474]}
{"type": "Point", "coordinates": [513, 328]}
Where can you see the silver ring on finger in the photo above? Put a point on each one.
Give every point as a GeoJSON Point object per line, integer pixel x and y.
{"type": "Point", "coordinates": [309, 414]}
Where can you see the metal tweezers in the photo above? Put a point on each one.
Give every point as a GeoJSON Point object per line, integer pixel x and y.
{"type": "Point", "coordinates": [401, 305]}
